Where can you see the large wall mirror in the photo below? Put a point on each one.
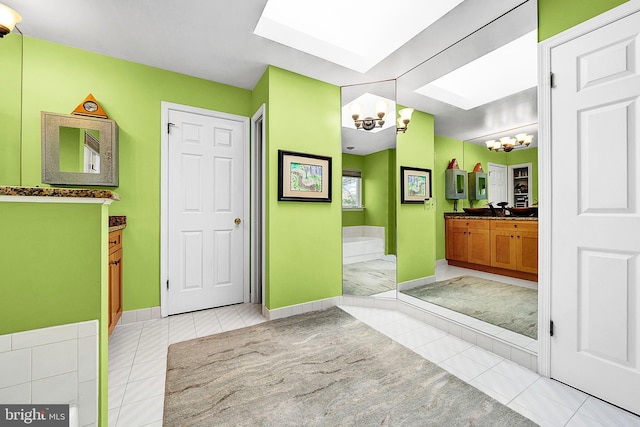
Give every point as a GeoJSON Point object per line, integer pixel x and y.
{"type": "Point", "coordinates": [11, 47]}
{"type": "Point", "coordinates": [79, 150]}
{"type": "Point", "coordinates": [461, 133]}
{"type": "Point", "coordinates": [368, 189]}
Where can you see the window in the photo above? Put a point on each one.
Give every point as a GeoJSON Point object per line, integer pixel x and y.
{"type": "Point", "coordinates": [351, 189]}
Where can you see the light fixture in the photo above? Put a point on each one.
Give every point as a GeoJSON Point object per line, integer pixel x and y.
{"type": "Point", "coordinates": [8, 19]}
{"type": "Point", "coordinates": [368, 123]}
{"type": "Point", "coordinates": [508, 143]}
{"type": "Point", "coordinates": [403, 121]}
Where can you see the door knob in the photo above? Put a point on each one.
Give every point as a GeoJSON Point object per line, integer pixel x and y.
{"type": "Point", "coordinates": [237, 221]}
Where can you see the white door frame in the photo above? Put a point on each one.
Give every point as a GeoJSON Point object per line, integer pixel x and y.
{"type": "Point", "coordinates": [259, 187]}
{"type": "Point", "coordinates": [164, 194]}
{"type": "Point", "coordinates": [545, 257]}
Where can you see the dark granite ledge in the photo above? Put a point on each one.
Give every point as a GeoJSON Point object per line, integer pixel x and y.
{"type": "Point", "coordinates": [58, 192]}
{"type": "Point", "coordinates": [462, 215]}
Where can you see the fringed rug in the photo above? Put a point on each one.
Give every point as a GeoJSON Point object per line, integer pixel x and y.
{"type": "Point", "coordinates": [511, 307]}
{"type": "Point", "coordinates": [317, 369]}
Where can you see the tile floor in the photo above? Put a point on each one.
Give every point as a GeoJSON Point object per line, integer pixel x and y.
{"type": "Point", "coordinates": [137, 363]}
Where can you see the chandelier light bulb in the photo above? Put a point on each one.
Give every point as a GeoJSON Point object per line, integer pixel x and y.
{"type": "Point", "coordinates": [8, 19]}
{"type": "Point", "coordinates": [381, 109]}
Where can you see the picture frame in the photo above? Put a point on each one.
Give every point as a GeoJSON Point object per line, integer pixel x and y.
{"type": "Point", "coordinates": [303, 177]}
{"type": "Point", "coordinates": [415, 184]}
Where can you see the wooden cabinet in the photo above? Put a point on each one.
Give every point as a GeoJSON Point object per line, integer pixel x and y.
{"type": "Point", "coordinates": [115, 278]}
{"type": "Point", "coordinates": [502, 246]}
{"type": "Point", "coordinates": [468, 240]}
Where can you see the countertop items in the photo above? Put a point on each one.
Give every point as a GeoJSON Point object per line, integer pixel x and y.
{"type": "Point", "coordinates": [57, 192]}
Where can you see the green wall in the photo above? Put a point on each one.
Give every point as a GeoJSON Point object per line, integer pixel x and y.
{"type": "Point", "coordinates": [54, 271]}
{"type": "Point", "coordinates": [379, 194]}
{"type": "Point", "coordinates": [10, 108]}
{"type": "Point", "coordinates": [415, 222]}
{"type": "Point", "coordinates": [555, 16]}
{"type": "Point", "coordinates": [305, 239]}
{"type": "Point", "coordinates": [56, 80]}
{"type": "Point", "coordinates": [349, 217]}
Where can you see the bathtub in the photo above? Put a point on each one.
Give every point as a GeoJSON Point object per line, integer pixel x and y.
{"type": "Point", "coordinates": [362, 243]}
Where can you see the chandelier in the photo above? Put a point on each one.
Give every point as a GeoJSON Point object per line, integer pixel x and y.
{"type": "Point", "coordinates": [369, 123]}
{"type": "Point", "coordinates": [8, 19]}
{"type": "Point", "coordinates": [508, 143]}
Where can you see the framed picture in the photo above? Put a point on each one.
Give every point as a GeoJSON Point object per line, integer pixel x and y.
{"type": "Point", "coordinates": [303, 177]}
{"type": "Point", "coordinates": [415, 184]}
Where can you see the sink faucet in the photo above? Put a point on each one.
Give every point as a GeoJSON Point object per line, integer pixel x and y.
{"type": "Point", "coordinates": [493, 210]}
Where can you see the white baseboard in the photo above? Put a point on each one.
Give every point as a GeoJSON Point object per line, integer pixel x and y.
{"type": "Point", "coordinates": [441, 263]}
{"type": "Point", "coordinates": [403, 286]}
{"type": "Point", "coordinates": [140, 315]}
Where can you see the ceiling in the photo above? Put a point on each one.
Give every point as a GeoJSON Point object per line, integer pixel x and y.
{"type": "Point", "coordinates": [215, 40]}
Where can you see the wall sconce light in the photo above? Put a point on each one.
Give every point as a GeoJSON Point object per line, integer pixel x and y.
{"type": "Point", "coordinates": [403, 121]}
{"type": "Point", "coordinates": [369, 123]}
{"type": "Point", "coordinates": [508, 143]}
{"type": "Point", "coordinates": [8, 20]}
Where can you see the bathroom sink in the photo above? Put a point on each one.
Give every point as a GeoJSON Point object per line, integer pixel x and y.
{"type": "Point", "coordinates": [477, 211]}
{"type": "Point", "coordinates": [530, 211]}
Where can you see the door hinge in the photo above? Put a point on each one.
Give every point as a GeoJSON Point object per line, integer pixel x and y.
{"type": "Point", "coordinates": [552, 80]}
{"type": "Point", "coordinates": [167, 283]}
{"type": "Point", "coordinates": [551, 328]}
{"type": "Point", "coordinates": [169, 127]}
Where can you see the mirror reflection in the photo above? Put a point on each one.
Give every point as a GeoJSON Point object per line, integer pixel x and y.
{"type": "Point", "coordinates": [484, 279]}
{"type": "Point", "coordinates": [368, 189]}
{"type": "Point", "coordinates": [79, 150]}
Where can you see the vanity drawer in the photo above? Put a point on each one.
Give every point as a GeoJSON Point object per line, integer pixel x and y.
{"type": "Point", "coordinates": [514, 225]}
{"type": "Point", "coordinates": [474, 224]}
{"type": "Point", "coordinates": [115, 240]}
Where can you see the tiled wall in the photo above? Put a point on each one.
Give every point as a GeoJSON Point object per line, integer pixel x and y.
{"type": "Point", "coordinates": [52, 365]}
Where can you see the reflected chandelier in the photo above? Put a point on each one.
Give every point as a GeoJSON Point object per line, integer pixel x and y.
{"type": "Point", "coordinates": [369, 123]}
{"type": "Point", "coordinates": [508, 143]}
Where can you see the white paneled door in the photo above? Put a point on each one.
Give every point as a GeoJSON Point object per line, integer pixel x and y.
{"type": "Point", "coordinates": [595, 222]}
{"type": "Point", "coordinates": [205, 212]}
{"type": "Point", "coordinates": [497, 183]}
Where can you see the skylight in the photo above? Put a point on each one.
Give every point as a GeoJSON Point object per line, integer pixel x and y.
{"type": "Point", "coordinates": [509, 69]}
{"type": "Point", "coordinates": [356, 35]}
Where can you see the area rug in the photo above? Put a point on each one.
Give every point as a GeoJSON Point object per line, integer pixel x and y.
{"type": "Point", "coordinates": [511, 307]}
{"type": "Point", "coordinates": [323, 368]}
{"type": "Point", "coordinates": [369, 277]}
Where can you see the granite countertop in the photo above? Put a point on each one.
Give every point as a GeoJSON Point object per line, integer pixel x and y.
{"type": "Point", "coordinates": [58, 192]}
{"type": "Point", "coordinates": [117, 222]}
{"type": "Point", "coordinates": [462, 215]}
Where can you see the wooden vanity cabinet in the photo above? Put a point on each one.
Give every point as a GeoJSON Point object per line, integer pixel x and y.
{"type": "Point", "coordinates": [501, 246]}
{"type": "Point", "coordinates": [514, 245]}
{"type": "Point", "coordinates": [468, 240]}
{"type": "Point", "coordinates": [115, 278]}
